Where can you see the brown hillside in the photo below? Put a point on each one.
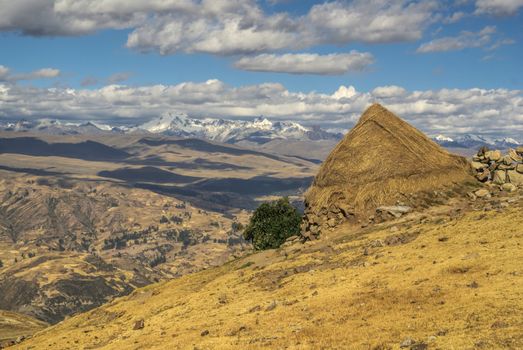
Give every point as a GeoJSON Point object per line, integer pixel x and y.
{"type": "Point", "coordinates": [382, 160]}
{"type": "Point", "coordinates": [454, 281]}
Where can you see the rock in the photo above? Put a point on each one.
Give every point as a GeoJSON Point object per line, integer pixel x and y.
{"type": "Point", "coordinates": [331, 215]}
{"type": "Point", "coordinates": [334, 209]}
{"type": "Point", "coordinates": [346, 210]}
{"type": "Point", "coordinates": [331, 222]}
{"type": "Point", "coordinates": [306, 234]}
{"type": "Point", "coordinates": [271, 306]}
{"type": "Point", "coordinates": [140, 324]}
{"type": "Point", "coordinates": [20, 339]}
{"type": "Point", "coordinates": [314, 229]}
{"type": "Point", "coordinates": [515, 177]}
{"type": "Point", "coordinates": [407, 342]}
{"type": "Point", "coordinates": [519, 168]}
{"type": "Point", "coordinates": [515, 156]}
{"type": "Point", "coordinates": [204, 333]}
{"type": "Point", "coordinates": [508, 187]}
{"type": "Point", "coordinates": [482, 193]}
{"type": "Point", "coordinates": [506, 167]}
{"type": "Point", "coordinates": [478, 165]}
{"type": "Point", "coordinates": [493, 155]}
{"type": "Point", "coordinates": [499, 177]}
{"type": "Point", "coordinates": [482, 151]}
{"type": "Point", "coordinates": [506, 160]}
{"type": "Point", "coordinates": [519, 150]}
{"type": "Point", "coordinates": [484, 175]}
{"type": "Point", "coordinates": [396, 210]}
{"type": "Point", "coordinates": [473, 285]}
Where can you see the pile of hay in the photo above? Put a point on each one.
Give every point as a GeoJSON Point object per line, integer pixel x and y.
{"type": "Point", "coordinates": [380, 161]}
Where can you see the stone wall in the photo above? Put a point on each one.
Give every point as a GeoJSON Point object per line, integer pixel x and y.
{"type": "Point", "coordinates": [495, 168]}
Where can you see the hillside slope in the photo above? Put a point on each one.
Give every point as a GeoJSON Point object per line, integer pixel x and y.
{"type": "Point", "coordinates": [448, 278]}
{"type": "Point", "coordinates": [14, 326]}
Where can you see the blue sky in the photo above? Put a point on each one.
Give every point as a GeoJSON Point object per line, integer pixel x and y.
{"type": "Point", "coordinates": [412, 45]}
{"type": "Point", "coordinates": [102, 54]}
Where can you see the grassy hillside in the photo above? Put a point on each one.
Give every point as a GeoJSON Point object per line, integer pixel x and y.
{"type": "Point", "coordinates": [450, 278]}
{"type": "Point", "coordinates": [14, 325]}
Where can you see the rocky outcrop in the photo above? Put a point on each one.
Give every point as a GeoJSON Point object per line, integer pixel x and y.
{"type": "Point", "coordinates": [504, 170]}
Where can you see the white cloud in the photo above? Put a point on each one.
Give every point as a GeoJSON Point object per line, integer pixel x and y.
{"type": "Point", "coordinates": [446, 111]}
{"type": "Point", "coordinates": [455, 17]}
{"type": "Point", "coordinates": [222, 27]}
{"type": "Point", "coordinates": [498, 7]}
{"type": "Point", "coordinates": [44, 73]}
{"type": "Point", "coordinates": [388, 91]}
{"type": "Point", "coordinates": [344, 92]}
{"type": "Point", "coordinates": [464, 40]}
{"type": "Point", "coordinates": [370, 21]}
{"type": "Point", "coordinates": [332, 64]}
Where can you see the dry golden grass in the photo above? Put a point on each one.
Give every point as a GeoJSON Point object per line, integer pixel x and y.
{"type": "Point", "coordinates": [451, 283]}
{"type": "Point", "coordinates": [14, 325]}
{"type": "Point", "coordinates": [382, 158]}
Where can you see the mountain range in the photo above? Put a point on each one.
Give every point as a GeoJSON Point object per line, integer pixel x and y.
{"type": "Point", "coordinates": [260, 130]}
{"type": "Point", "coordinates": [257, 131]}
{"type": "Point", "coordinates": [476, 141]}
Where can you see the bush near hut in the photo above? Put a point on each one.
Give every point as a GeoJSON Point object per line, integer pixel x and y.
{"type": "Point", "coordinates": [272, 223]}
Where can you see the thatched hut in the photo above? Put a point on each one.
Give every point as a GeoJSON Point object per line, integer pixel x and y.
{"type": "Point", "coordinates": [382, 160]}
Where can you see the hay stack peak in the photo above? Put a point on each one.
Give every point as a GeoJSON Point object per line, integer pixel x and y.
{"type": "Point", "coordinates": [382, 160]}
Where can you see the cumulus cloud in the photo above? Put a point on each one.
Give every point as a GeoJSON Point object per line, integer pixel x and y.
{"type": "Point", "coordinates": [224, 27]}
{"type": "Point", "coordinates": [332, 64]}
{"type": "Point", "coordinates": [498, 7]}
{"type": "Point", "coordinates": [447, 111]}
{"type": "Point", "coordinates": [44, 73]}
{"type": "Point", "coordinates": [388, 91]}
{"type": "Point", "coordinates": [455, 17]}
{"type": "Point", "coordinates": [464, 40]}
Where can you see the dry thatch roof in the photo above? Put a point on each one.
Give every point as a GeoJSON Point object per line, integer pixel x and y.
{"type": "Point", "coordinates": [381, 157]}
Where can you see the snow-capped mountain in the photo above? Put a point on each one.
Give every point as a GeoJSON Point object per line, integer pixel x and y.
{"type": "Point", "coordinates": [476, 141]}
{"type": "Point", "coordinates": [58, 127]}
{"type": "Point", "coordinates": [259, 130]}
{"type": "Point", "coordinates": [443, 138]}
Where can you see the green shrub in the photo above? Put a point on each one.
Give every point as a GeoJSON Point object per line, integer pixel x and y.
{"type": "Point", "coordinates": [272, 223]}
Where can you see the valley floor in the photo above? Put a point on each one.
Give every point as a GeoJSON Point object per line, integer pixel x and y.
{"type": "Point", "coordinates": [436, 281]}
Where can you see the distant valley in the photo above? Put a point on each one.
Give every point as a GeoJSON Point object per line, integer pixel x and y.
{"type": "Point", "coordinates": [88, 217]}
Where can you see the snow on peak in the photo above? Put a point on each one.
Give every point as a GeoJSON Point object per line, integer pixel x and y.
{"type": "Point", "coordinates": [509, 140]}
{"type": "Point", "coordinates": [259, 130]}
{"type": "Point", "coordinates": [443, 138]}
